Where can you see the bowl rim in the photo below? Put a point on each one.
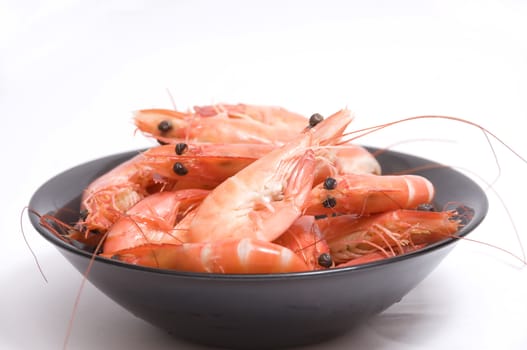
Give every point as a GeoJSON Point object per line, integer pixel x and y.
{"type": "Point", "coordinates": [60, 244]}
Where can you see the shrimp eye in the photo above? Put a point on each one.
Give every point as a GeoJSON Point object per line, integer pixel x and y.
{"type": "Point", "coordinates": [330, 202]}
{"type": "Point", "coordinates": [330, 183]}
{"type": "Point", "coordinates": [463, 214]}
{"type": "Point", "coordinates": [425, 207]}
{"type": "Point", "coordinates": [325, 260]}
{"type": "Point", "coordinates": [83, 214]}
{"type": "Point", "coordinates": [315, 119]}
{"type": "Point", "coordinates": [180, 148]}
{"type": "Point", "coordinates": [180, 169]}
{"type": "Point", "coordinates": [164, 126]}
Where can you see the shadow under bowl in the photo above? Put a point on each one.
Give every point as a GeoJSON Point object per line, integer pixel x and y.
{"type": "Point", "coordinates": [265, 311]}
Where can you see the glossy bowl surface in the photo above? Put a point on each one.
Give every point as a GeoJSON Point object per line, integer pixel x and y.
{"type": "Point", "coordinates": [257, 311]}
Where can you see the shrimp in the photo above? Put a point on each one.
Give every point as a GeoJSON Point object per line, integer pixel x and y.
{"type": "Point", "coordinates": [352, 159]}
{"type": "Point", "coordinates": [222, 124]}
{"type": "Point", "coordinates": [271, 115]}
{"type": "Point", "coordinates": [161, 168]}
{"type": "Point", "coordinates": [349, 236]}
{"type": "Point", "coordinates": [233, 256]}
{"type": "Point", "coordinates": [305, 239]}
{"type": "Point", "coordinates": [365, 194]}
{"type": "Point", "coordinates": [262, 200]}
{"type": "Point", "coordinates": [343, 159]}
{"type": "Point", "coordinates": [152, 220]}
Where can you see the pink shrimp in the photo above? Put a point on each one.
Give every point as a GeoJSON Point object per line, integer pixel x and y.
{"type": "Point", "coordinates": [222, 123]}
{"type": "Point", "coordinates": [152, 220]}
{"type": "Point", "coordinates": [161, 168]}
{"type": "Point", "coordinates": [365, 194]}
{"type": "Point", "coordinates": [344, 159]}
{"type": "Point", "coordinates": [349, 236]}
{"type": "Point", "coordinates": [270, 115]}
{"type": "Point", "coordinates": [233, 256]}
{"type": "Point", "coordinates": [265, 198]}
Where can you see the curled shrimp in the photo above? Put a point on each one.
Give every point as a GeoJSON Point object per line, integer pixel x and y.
{"type": "Point", "coordinates": [153, 220]}
{"type": "Point", "coordinates": [265, 198]}
{"type": "Point", "coordinates": [153, 234]}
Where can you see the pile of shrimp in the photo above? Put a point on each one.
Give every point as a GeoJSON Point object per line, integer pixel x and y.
{"type": "Point", "coordinates": [243, 189]}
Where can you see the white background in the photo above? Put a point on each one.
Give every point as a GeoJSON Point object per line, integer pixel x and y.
{"type": "Point", "coordinates": [72, 72]}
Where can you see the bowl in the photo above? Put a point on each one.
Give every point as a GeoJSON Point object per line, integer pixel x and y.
{"type": "Point", "coordinates": [266, 311]}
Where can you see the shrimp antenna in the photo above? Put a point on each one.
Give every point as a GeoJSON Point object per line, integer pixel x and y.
{"type": "Point", "coordinates": [172, 101]}
{"type": "Point", "coordinates": [509, 215]}
{"type": "Point", "coordinates": [495, 158]}
{"type": "Point", "coordinates": [27, 242]}
{"type": "Point", "coordinates": [371, 129]}
{"type": "Point", "coordinates": [490, 186]}
{"type": "Point", "coordinates": [431, 166]}
{"type": "Point", "coordinates": [79, 292]}
{"type": "Point", "coordinates": [380, 151]}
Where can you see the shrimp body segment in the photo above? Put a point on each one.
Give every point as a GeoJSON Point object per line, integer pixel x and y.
{"type": "Point", "coordinates": [233, 256]}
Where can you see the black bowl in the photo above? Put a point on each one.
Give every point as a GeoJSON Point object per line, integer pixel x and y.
{"type": "Point", "coordinates": [257, 311]}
